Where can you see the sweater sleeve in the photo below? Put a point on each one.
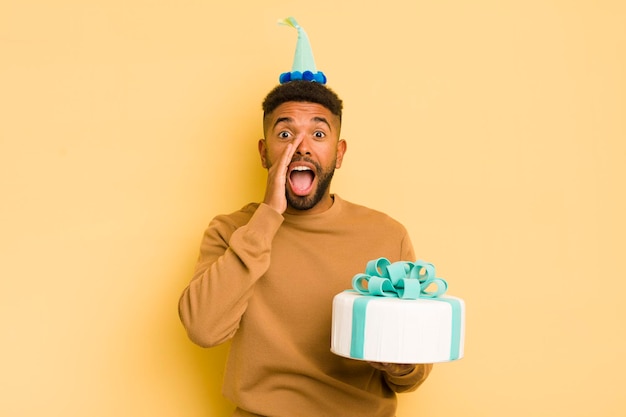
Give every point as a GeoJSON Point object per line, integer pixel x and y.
{"type": "Point", "coordinates": [406, 248]}
{"type": "Point", "coordinates": [229, 265]}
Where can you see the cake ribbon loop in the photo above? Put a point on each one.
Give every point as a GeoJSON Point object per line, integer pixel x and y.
{"type": "Point", "coordinates": [407, 280]}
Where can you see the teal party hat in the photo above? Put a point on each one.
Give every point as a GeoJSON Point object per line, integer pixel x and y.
{"type": "Point", "coordinates": [303, 62]}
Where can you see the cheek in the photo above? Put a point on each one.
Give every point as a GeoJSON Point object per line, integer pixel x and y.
{"type": "Point", "coordinates": [270, 156]}
{"type": "Point", "coordinates": [267, 160]}
{"type": "Point", "coordinates": [329, 157]}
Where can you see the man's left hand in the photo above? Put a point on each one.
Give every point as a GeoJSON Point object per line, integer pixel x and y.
{"type": "Point", "coordinates": [394, 369]}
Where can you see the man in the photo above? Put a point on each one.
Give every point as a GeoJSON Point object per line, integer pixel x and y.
{"type": "Point", "coordinates": [267, 274]}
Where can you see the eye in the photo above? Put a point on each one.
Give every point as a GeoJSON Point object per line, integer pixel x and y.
{"type": "Point", "coordinates": [319, 134]}
{"type": "Point", "coordinates": [284, 134]}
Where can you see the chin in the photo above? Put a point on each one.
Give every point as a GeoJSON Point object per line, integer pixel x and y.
{"type": "Point", "coordinates": [306, 202]}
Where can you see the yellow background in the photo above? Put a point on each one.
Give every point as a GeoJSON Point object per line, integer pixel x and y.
{"type": "Point", "coordinates": [494, 130]}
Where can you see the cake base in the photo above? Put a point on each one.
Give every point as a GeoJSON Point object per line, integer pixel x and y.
{"type": "Point", "coordinates": [393, 330]}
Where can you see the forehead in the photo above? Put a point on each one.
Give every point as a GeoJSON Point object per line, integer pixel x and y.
{"type": "Point", "coordinates": [300, 113]}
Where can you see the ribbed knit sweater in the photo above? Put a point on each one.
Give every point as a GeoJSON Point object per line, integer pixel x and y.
{"type": "Point", "coordinates": [267, 281]}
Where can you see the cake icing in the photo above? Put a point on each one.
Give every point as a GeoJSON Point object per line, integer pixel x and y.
{"type": "Point", "coordinates": [394, 315]}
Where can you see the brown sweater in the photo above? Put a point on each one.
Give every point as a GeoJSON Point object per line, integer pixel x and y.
{"type": "Point", "coordinates": [267, 281]}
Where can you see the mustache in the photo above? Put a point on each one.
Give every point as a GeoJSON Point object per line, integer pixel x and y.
{"type": "Point", "coordinates": [317, 166]}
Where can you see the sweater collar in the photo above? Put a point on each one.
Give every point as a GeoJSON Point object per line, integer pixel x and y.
{"type": "Point", "coordinates": [332, 212]}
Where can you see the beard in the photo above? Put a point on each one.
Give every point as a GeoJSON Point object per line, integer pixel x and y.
{"type": "Point", "coordinates": [307, 202]}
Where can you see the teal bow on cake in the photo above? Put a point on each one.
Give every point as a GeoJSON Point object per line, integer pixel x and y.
{"type": "Point", "coordinates": [404, 280]}
{"type": "Point", "coordinates": [407, 280]}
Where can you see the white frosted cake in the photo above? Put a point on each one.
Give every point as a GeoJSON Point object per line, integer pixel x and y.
{"type": "Point", "coordinates": [375, 325]}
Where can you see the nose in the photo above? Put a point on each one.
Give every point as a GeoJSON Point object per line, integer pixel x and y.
{"type": "Point", "coordinates": [303, 148]}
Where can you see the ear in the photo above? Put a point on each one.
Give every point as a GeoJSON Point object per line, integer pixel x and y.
{"type": "Point", "coordinates": [342, 146]}
{"type": "Point", "coordinates": [263, 153]}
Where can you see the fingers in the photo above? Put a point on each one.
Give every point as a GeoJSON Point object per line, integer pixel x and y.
{"type": "Point", "coordinates": [290, 151]}
{"type": "Point", "coordinates": [277, 178]}
{"type": "Point", "coordinates": [394, 369]}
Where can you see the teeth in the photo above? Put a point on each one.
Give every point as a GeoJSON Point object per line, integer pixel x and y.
{"type": "Point", "coordinates": [301, 169]}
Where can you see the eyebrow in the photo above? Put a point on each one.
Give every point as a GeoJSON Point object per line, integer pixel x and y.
{"type": "Point", "coordinates": [316, 119]}
{"type": "Point", "coordinates": [281, 120]}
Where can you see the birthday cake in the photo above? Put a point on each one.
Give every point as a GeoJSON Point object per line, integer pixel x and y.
{"type": "Point", "coordinates": [398, 313]}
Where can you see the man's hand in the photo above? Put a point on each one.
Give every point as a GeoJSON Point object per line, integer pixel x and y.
{"type": "Point", "coordinates": [277, 178]}
{"type": "Point", "coordinates": [394, 369]}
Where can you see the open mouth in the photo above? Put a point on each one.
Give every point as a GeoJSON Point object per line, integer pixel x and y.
{"type": "Point", "coordinates": [301, 178]}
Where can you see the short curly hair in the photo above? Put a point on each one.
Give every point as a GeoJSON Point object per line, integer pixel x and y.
{"type": "Point", "coordinates": [303, 91]}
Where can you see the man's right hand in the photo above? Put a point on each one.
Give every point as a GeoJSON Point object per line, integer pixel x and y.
{"type": "Point", "coordinates": [277, 178]}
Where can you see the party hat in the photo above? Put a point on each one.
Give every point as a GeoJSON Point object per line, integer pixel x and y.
{"type": "Point", "coordinates": [303, 62]}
